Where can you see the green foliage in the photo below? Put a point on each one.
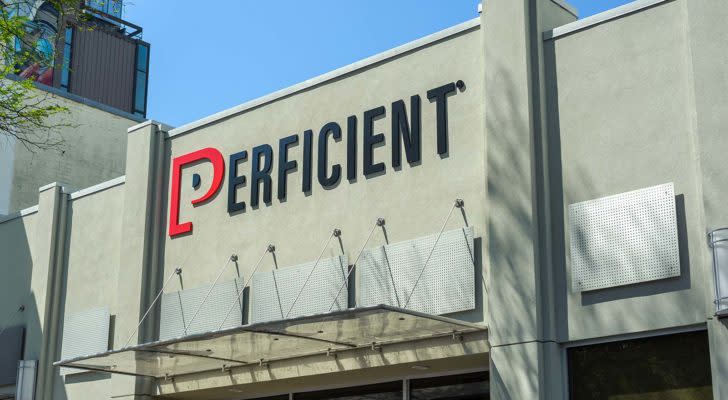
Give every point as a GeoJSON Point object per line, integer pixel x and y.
{"type": "Point", "coordinates": [30, 116]}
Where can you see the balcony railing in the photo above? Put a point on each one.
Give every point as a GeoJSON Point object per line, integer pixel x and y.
{"type": "Point", "coordinates": [718, 240]}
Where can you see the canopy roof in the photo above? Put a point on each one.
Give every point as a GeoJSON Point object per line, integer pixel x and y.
{"type": "Point", "coordinates": [269, 341]}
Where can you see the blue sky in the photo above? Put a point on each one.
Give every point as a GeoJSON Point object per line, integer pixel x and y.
{"type": "Point", "coordinates": [207, 57]}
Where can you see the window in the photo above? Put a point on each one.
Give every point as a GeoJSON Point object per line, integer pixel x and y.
{"type": "Point", "coordinates": [140, 80]}
{"type": "Point", "coordinates": [67, 52]}
{"type": "Point", "coordinates": [456, 387]}
{"type": "Point", "coordinates": [661, 367]}
{"type": "Point", "coordinates": [382, 391]}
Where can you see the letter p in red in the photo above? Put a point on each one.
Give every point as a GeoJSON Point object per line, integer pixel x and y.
{"type": "Point", "coordinates": [218, 168]}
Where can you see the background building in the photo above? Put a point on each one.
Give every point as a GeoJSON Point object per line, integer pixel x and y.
{"type": "Point", "coordinates": [325, 254]}
{"type": "Point", "coordinates": [99, 73]}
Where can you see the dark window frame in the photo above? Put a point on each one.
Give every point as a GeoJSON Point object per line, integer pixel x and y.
{"type": "Point", "coordinates": [66, 63]}
{"type": "Point", "coordinates": [143, 111]}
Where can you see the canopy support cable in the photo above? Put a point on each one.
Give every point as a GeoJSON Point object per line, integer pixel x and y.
{"type": "Point", "coordinates": [269, 249]}
{"type": "Point", "coordinates": [176, 271]}
{"type": "Point", "coordinates": [232, 258]}
{"type": "Point", "coordinates": [380, 222]}
{"type": "Point", "coordinates": [334, 233]}
{"type": "Point", "coordinates": [457, 204]}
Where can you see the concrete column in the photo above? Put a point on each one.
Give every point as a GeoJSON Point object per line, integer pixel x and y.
{"type": "Point", "coordinates": [139, 280]}
{"type": "Point", "coordinates": [46, 282]}
{"type": "Point", "coordinates": [707, 37]}
{"type": "Point", "coordinates": [522, 311]}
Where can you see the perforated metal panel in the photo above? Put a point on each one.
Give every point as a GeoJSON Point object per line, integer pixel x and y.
{"type": "Point", "coordinates": [273, 292]}
{"type": "Point", "coordinates": [85, 333]}
{"type": "Point", "coordinates": [447, 285]}
{"type": "Point", "coordinates": [624, 239]}
{"type": "Point", "coordinates": [179, 307]}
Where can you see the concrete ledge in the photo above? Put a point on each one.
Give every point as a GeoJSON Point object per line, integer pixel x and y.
{"type": "Point", "coordinates": [601, 18]}
{"type": "Point", "coordinates": [19, 214]}
{"type": "Point", "coordinates": [98, 188]}
{"type": "Point", "coordinates": [162, 126]}
{"type": "Point", "coordinates": [65, 188]}
{"type": "Point", "coordinates": [321, 79]}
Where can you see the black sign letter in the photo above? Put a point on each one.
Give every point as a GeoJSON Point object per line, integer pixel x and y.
{"type": "Point", "coordinates": [410, 136]}
{"type": "Point", "coordinates": [234, 181]}
{"type": "Point", "coordinates": [283, 164]}
{"type": "Point", "coordinates": [351, 148]}
{"type": "Point", "coordinates": [261, 174]}
{"type": "Point", "coordinates": [370, 139]}
{"type": "Point", "coordinates": [307, 148]}
{"type": "Point", "coordinates": [335, 130]}
{"type": "Point", "coordinates": [439, 95]}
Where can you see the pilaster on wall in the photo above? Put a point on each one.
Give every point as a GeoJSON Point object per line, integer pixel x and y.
{"type": "Point", "coordinates": [708, 40]}
{"type": "Point", "coordinates": [46, 282]}
{"type": "Point", "coordinates": [519, 299]}
{"type": "Point", "coordinates": [141, 215]}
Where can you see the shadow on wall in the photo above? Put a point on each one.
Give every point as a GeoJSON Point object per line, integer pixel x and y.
{"type": "Point", "coordinates": [520, 258]}
{"type": "Point", "coordinates": [16, 268]}
{"type": "Point", "coordinates": [584, 185]}
{"type": "Point", "coordinates": [511, 272]}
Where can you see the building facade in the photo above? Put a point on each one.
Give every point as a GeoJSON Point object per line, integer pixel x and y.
{"type": "Point", "coordinates": [522, 206]}
{"type": "Point", "coordinates": [99, 73]}
{"type": "Point", "coordinates": [94, 52]}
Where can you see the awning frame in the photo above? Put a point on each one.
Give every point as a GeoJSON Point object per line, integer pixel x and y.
{"type": "Point", "coordinates": [267, 328]}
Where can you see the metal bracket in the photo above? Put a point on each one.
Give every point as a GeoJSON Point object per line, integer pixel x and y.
{"type": "Point", "coordinates": [376, 346]}
{"type": "Point", "coordinates": [337, 232]}
{"type": "Point", "coordinates": [381, 221]}
{"type": "Point", "coordinates": [459, 203]}
{"type": "Point", "coordinates": [178, 271]}
{"type": "Point", "coordinates": [234, 257]}
{"type": "Point", "coordinates": [262, 363]}
{"type": "Point", "coordinates": [457, 336]}
{"type": "Point", "coordinates": [225, 368]}
{"type": "Point", "coordinates": [331, 353]}
{"type": "Point", "coordinates": [271, 248]}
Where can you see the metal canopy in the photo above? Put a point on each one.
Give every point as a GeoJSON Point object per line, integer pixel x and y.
{"type": "Point", "coordinates": [276, 340]}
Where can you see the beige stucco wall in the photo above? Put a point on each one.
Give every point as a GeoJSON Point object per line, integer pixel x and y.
{"type": "Point", "coordinates": [16, 267]}
{"type": "Point", "coordinates": [93, 242]}
{"type": "Point", "coordinates": [625, 111]}
{"type": "Point", "coordinates": [630, 103]}
{"type": "Point", "coordinates": [414, 200]}
{"type": "Point", "coordinates": [93, 151]}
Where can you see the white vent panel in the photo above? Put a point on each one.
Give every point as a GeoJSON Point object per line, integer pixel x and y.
{"type": "Point", "coordinates": [388, 274]}
{"type": "Point", "coordinates": [272, 293]}
{"type": "Point", "coordinates": [85, 333]}
{"type": "Point", "coordinates": [624, 239]}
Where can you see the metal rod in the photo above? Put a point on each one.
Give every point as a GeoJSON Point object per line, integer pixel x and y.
{"type": "Point", "coordinates": [176, 271]}
{"type": "Point", "coordinates": [335, 232]}
{"type": "Point", "coordinates": [380, 222]}
{"type": "Point", "coordinates": [208, 293]}
{"type": "Point", "coordinates": [456, 204]}
{"type": "Point", "coordinates": [240, 292]}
